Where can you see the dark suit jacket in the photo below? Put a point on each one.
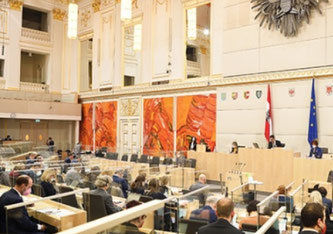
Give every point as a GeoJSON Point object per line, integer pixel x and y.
{"type": "Point", "coordinates": [220, 226]}
{"type": "Point", "coordinates": [123, 183]}
{"type": "Point", "coordinates": [109, 206]}
{"type": "Point", "coordinates": [18, 219]}
{"type": "Point", "coordinates": [308, 232]}
{"type": "Point", "coordinates": [328, 204]}
{"type": "Point", "coordinates": [49, 190]}
{"type": "Point", "coordinates": [317, 152]}
{"type": "Point", "coordinates": [277, 143]}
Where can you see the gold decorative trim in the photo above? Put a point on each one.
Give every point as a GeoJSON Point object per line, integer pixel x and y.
{"type": "Point", "coordinates": [85, 17]}
{"type": "Point", "coordinates": [16, 4]}
{"type": "Point", "coordinates": [96, 5]}
{"type": "Point", "coordinates": [212, 83]}
{"type": "Point", "coordinates": [58, 14]}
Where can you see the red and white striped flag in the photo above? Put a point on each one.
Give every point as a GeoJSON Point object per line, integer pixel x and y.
{"type": "Point", "coordinates": [269, 118]}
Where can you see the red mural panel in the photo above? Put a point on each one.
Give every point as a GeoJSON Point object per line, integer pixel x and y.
{"type": "Point", "coordinates": [196, 117]}
{"type": "Point", "coordinates": [86, 131]}
{"type": "Point", "coordinates": [106, 125]}
{"type": "Point", "coordinates": [157, 130]}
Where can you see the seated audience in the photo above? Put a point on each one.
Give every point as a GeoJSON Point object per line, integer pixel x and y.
{"type": "Point", "coordinates": [313, 219]}
{"type": "Point", "coordinates": [8, 138]}
{"type": "Point", "coordinates": [282, 197]}
{"type": "Point", "coordinates": [163, 185]}
{"type": "Point", "coordinates": [73, 176]}
{"type": "Point", "coordinates": [132, 226]}
{"type": "Point", "coordinates": [315, 197]}
{"type": "Point", "coordinates": [234, 148]}
{"type": "Point", "coordinates": [48, 182]}
{"type": "Point", "coordinates": [274, 143]}
{"type": "Point", "coordinates": [102, 183]}
{"type": "Point", "coordinates": [315, 150]}
{"type": "Point", "coordinates": [90, 179]}
{"type": "Point", "coordinates": [4, 175]}
{"type": "Point", "coordinates": [326, 202]}
{"type": "Point", "coordinates": [138, 186]}
{"type": "Point", "coordinates": [208, 212]}
{"type": "Point", "coordinates": [153, 190]}
{"type": "Point", "coordinates": [16, 172]}
{"type": "Point", "coordinates": [18, 219]}
{"type": "Point", "coordinates": [69, 158]}
{"type": "Point", "coordinates": [32, 158]}
{"type": "Point", "coordinates": [118, 178]}
{"type": "Point", "coordinates": [252, 215]}
{"type": "Point", "coordinates": [202, 182]}
{"type": "Point", "coordinates": [225, 213]}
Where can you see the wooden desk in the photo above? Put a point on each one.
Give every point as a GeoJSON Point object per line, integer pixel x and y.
{"type": "Point", "coordinates": [273, 167]}
{"type": "Point", "coordinates": [61, 222]}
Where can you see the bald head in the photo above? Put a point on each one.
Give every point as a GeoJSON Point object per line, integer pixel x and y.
{"type": "Point", "coordinates": [202, 179]}
{"type": "Point", "coordinates": [225, 208]}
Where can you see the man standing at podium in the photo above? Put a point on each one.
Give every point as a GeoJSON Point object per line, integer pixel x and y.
{"type": "Point", "coordinates": [274, 143]}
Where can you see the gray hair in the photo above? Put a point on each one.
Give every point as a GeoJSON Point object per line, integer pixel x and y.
{"type": "Point", "coordinates": [212, 200]}
{"type": "Point", "coordinates": [103, 180]}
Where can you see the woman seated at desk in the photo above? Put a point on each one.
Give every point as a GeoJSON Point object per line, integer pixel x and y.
{"type": "Point", "coordinates": [252, 219]}
{"type": "Point", "coordinates": [234, 148]}
{"type": "Point", "coordinates": [138, 186]}
{"type": "Point", "coordinates": [281, 199]}
{"type": "Point", "coordinates": [48, 182]}
{"type": "Point", "coordinates": [163, 186]}
{"type": "Point", "coordinates": [153, 190]}
{"type": "Point", "coordinates": [315, 150]}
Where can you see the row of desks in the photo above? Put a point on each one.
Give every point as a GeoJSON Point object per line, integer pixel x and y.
{"type": "Point", "coordinates": [271, 166]}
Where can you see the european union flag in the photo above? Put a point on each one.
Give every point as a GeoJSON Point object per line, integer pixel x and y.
{"type": "Point", "coordinates": [313, 128]}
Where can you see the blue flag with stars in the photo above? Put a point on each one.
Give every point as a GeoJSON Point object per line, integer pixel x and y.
{"type": "Point", "coordinates": [313, 128]}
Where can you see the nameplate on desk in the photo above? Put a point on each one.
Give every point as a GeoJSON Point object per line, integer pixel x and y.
{"type": "Point", "coordinates": [55, 211]}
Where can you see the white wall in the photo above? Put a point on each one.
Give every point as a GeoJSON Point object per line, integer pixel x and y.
{"type": "Point", "coordinates": [243, 120]}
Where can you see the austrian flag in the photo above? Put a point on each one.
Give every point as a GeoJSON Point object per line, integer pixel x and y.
{"type": "Point", "coordinates": [269, 120]}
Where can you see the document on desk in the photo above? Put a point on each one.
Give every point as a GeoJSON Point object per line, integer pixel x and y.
{"type": "Point", "coordinates": [55, 211]}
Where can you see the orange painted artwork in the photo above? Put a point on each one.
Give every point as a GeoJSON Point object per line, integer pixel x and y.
{"type": "Point", "coordinates": [86, 131]}
{"type": "Point", "coordinates": [196, 117]}
{"type": "Point", "coordinates": [158, 130]}
{"type": "Point", "coordinates": [106, 125]}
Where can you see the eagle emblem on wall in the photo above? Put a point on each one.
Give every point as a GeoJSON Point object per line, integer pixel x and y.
{"type": "Point", "coordinates": [285, 15]}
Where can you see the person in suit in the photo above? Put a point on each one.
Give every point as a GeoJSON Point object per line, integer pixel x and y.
{"type": "Point", "coordinates": [313, 218]}
{"type": "Point", "coordinates": [274, 143]}
{"type": "Point", "coordinates": [315, 150]}
{"type": "Point", "coordinates": [234, 148]}
{"type": "Point", "coordinates": [73, 176]}
{"type": "Point", "coordinates": [193, 144]}
{"type": "Point", "coordinates": [225, 213]}
{"type": "Point", "coordinates": [118, 178]}
{"type": "Point", "coordinates": [326, 202]}
{"type": "Point", "coordinates": [50, 144]}
{"type": "Point", "coordinates": [48, 182]}
{"type": "Point", "coordinates": [202, 182]}
{"type": "Point", "coordinates": [18, 219]}
{"type": "Point", "coordinates": [102, 183]}
{"type": "Point", "coordinates": [206, 213]}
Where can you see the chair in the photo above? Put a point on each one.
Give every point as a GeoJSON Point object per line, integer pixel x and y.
{"type": "Point", "coordinates": [193, 162]}
{"type": "Point", "coordinates": [190, 226]}
{"type": "Point", "coordinates": [134, 158]}
{"type": "Point", "coordinates": [38, 190]}
{"type": "Point", "coordinates": [249, 227]}
{"type": "Point", "coordinates": [108, 155]}
{"type": "Point", "coordinates": [324, 150]}
{"type": "Point", "coordinates": [155, 162]}
{"type": "Point", "coordinates": [144, 198]}
{"type": "Point", "coordinates": [68, 200]}
{"type": "Point", "coordinates": [167, 161]}
{"type": "Point", "coordinates": [104, 149]}
{"type": "Point", "coordinates": [114, 156]}
{"type": "Point", "coordinates": [94, 205]}
{"type": "Point", "coordinates": [99, 153]}
{"type": "Point", "coordinates": [143, 159]}
{"type": "Point", "coordinates": [330, 176]}
{"type": "Point", "coordinates": [124, 158]}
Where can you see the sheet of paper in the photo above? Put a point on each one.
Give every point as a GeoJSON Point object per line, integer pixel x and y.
{"type": "Point", "coordinates": [57, 212]}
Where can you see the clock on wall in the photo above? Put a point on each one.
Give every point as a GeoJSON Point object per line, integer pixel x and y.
{"type": "Point", "coordinates": [285, 15]}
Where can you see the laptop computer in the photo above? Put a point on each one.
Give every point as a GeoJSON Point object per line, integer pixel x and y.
{"type": "Point", "coordinates": [255, 145]}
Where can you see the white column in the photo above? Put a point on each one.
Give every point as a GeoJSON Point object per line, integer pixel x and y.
{"type": "Point", "coordinates": [117, 78]}
{"type": "Point", "coordinates": [96, 50]}
{"type": "Point", "coordinates": [13, 58]}
{"type": "Point", "coordinates": [217, 10]}
{"type": "Point", "coordinates": [147, 41]}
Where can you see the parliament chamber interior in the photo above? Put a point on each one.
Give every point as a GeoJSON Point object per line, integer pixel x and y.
{"type": "Point", "coordinates": [166, 116]}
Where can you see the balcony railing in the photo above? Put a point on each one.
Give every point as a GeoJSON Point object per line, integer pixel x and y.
{"type": "Point", "coordinates": [36, 35]}
{"type": "Point", "coordinates": [34, 87]}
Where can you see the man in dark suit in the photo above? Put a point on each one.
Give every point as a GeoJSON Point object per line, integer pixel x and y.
{"type": "Point", "coordinates": [18, 219]}
{"type": "Point", "coordinates": [103, 183]}
{"type": "Point", "coordinates": [274, 143]}
{"type": "Point", "coordinates": [225, 213]}
{"type": "Point", "coordinates": [118, 178]}
{"type": "Point", "coordinates": [313, 218]}
{"type": "Point", "coordinates": [326, 202]}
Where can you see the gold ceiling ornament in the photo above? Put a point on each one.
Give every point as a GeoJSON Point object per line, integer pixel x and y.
{"type": "Point", "coordinates": [85, 17]}
{"type": "Point", "coordinates": [16, 4]}
{"type": "Point", "coordinates": [96, 5]}
{"type": "Point", "coordinates": [285, 15]}
{"type": "Point", "coordinates": [58, 14]}
{"type": "Point", "coordinates": [135, 3]}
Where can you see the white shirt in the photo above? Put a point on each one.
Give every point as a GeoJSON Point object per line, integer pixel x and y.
{"type": "Point", "coordinates": [310, 229]}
